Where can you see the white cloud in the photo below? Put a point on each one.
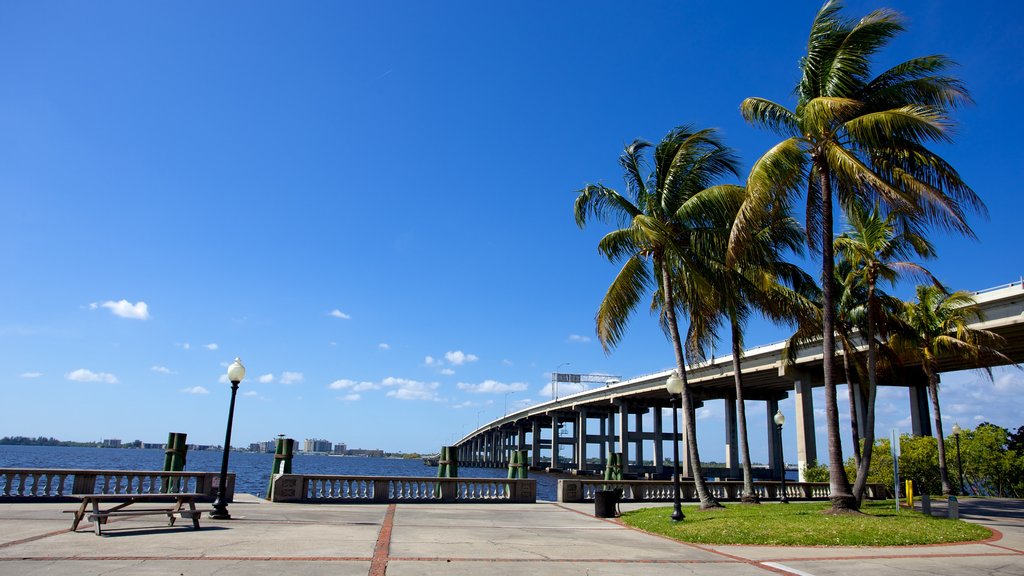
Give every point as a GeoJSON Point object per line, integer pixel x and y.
{"type": "Point", "coordinates": [578, 338]}
{"type": "Point", "coordinates": [124, 309]}
{"type": "Point", "coordinates": [339, 314]}
{"type": "Point", "coordinates": [195, 390]}
{"type": "Point", "coordinates": [265, 379]}
{"type": "Point", "coordinates": [223, 379]}
{"type": "Point", "coordinates": [458, 357]}
{"type": "Point", "coordinates": [162, 369]}
{"type": "Point", "coordinates": [184, 345]}
{"type": "Point", "coordinates": [447, 371]}
{"type": "Point", "coordinates": [288, 378]}
{"type": "Point", "coordinates": [31, 374]}
{"type": "Point", "coordinates": [351, 397]}
{"type": "Point", "coordinates": [506, 362]}
{"type": "Point", "coordinates": [250, 393]}
{"type": "Point", "coordinates": [84, 375]}
{"type": "Point", "coordinates": [431, 361]}
{"type": "Point", "coordinates": [355, 386]}
{"type": "Point", "coordinates": [411, 389]}
{"type": "Point", "coordinates": [492, 387]}
{"type": "Point", "coordinates": [211, 346]}
{"type": "Point", "coordinates": [384, 346]}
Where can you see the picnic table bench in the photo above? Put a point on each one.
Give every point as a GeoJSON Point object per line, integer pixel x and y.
{"type": "Point", "coordinates": [174, 507]}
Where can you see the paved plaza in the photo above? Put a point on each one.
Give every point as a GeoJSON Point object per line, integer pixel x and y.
{"type": "Point", "coordinates": [455, 539]}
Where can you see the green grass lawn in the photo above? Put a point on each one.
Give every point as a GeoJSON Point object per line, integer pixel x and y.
{"type": "Point", "coordinates": [804, 524]}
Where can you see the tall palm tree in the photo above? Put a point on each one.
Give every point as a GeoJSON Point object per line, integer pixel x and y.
{"type": "Point", "coordinates": [759, 281]}
{"type": "Point", "coordinates": [873, 247]}
{"type": "Point", "coordinates": [860, 140]}
{"type": "Point", "coordinates": [669, 215]}
{"type": "Point", "coordinates": [936, 325]}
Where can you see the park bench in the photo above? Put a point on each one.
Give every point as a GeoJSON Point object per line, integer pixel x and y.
{"type": "Point", "coordinates": [174, 507]}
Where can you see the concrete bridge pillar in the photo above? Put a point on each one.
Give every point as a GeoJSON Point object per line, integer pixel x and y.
{"type": "Point", "coordinates": [775, 463]}
{"type": "Point", "coordinates": [535, 444]}
{"type": "Point", "coordinates": [581, 439]}
{"type": "Point", "coordinates": [659, 442]}
{"type": "Point", "coordinates": [806, 449]}
{"type": "Point", "coordinates": [639, 436]}
{"type": "Point", "coordinates": [731, 438]}
{"type": "Point", "coordinates": [624, 433]}
{"type": "Point", "coordinates": [920, 422]}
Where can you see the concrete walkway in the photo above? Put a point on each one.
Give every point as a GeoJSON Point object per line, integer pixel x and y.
{"type": "Point", "coordinates": [455, 539]}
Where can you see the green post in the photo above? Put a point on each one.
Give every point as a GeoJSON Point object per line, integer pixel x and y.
{"type": "Point", "coordinates": [517, 467]}
{"type": "Point", "coordinates": [613, 470]}
{"type": "Point", "coordinates": [448, 463]}
{"type": "Point", "coordinates": [174, 458]}
{"type": "Point", "coordinates": [283, 452]}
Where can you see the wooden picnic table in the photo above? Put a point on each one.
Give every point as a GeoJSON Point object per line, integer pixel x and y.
{"type": "Point", "coordinates": [92, 504]}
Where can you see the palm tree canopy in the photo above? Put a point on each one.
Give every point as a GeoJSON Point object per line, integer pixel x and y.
{"type": "Point", "coordinates": [668, 212]}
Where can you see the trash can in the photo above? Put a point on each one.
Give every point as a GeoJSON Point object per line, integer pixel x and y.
{"type": "Point", "coordinates": [606, 503]}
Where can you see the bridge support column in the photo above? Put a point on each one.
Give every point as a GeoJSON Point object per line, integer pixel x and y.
{"type": "Point", "coordinates": [603, 433]}
{"type": "Point", "coordinates": [806, 449]}
{"type": "Point", "coordinates": [535, 444]}
{"type": "Point", "coordinates": [920, 423]}
{"type": "Point", "coordinates": [659, 442]}
{"type": "Point", "coordinates": [555, 452]}
{"type": "Point", "coordinates": [639, 435]}
{"type": "Point", "coordinates": [624, 433]}
{"type": "Point", "coordinates": [581, 439]}
{"type": "Point", "coordinates": [775, 463]}
{"type": "Point", "coordinates": [732, 461]}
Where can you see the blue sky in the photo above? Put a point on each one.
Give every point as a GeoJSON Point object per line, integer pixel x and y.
{"type": "Point", "coordinates": [370, 203]}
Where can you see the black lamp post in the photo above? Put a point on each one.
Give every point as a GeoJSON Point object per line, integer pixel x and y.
{"type": "Point", "coordinates": [674, 385]}
{"type": "Point", "coordinates": [780, 419]}
{"type": "Point", "coordinates": [959, 463]}
{"type": "Point", "coordinates": [236, 372]}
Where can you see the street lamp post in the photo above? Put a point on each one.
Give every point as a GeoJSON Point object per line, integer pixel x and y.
{"type": "Point", "coordinates": [674, 385]}
{"type": "Point", "coordinates": [236, 372]}
{"type": "Point", "coordinates": [780, 419]}
{"type": "Point", "coordinates": [959, 463]}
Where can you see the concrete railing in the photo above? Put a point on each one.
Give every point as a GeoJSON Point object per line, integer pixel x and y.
{"type": "Point", "coordinates": [52, 485]}
{"type": "Point", "coordinates": [378, 489]}
{"type": "Point", "coordinates": [661, 490]}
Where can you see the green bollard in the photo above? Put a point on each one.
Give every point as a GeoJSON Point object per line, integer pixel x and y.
{"type": "Point", "coordinates": [283, 452]}
{"type": "Point", "coordinates": [523, 468]}
{"type": "Point", "coordinates": [613, 469]}
{"type": "Point", "coordinates": [513, 465]}
{"type": "Point", "coordinates": [174, 459]}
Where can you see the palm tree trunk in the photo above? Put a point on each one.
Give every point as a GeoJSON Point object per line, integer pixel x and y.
{"type": "Point", "coordinates": [933, 390]}
{"type": "Point", "coordinates": [839, 485]}
{"type": "Point", "coordinates": [853, 389]}
{"type": "Point", "coordinates": [749, 495]}
{"type": "Point", "coordinates": [864, 466]}
{"type": "Point", "coordinates": [706, 499]}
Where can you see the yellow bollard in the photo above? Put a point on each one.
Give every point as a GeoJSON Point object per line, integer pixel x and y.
{"type": "Point", "coordinates": [910, 494]}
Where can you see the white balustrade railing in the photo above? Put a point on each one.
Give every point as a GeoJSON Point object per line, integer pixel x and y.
{"type": "Point", "coordinates": [50, 484]}
{"type": "Point", "coordinates": [574, 490]}
{"type": "Point", "coordinates": [379, 489]}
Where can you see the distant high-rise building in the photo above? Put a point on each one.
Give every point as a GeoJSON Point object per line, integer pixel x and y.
{"type": "Point", "coordinates": [316, 445]}
{"type": "Point", "coordinates": [340, 448]}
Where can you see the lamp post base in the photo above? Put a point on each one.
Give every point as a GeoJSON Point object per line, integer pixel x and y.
{"type": "Point", "coordinates": [220, 512]}
{"type": "Point", "coordinates": [677, 515]}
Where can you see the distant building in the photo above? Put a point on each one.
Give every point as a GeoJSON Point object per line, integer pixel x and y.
{"type": "Point", "coordinates": [268, 446]}
{"type": "Point", "coordinates": [112, 443]}
{"type": "Point", "coordinates": [363, 452]}
{"type": "Point", "coordinates": [317, 445]}
{"type": "Point", "coordinates": [340, 448]}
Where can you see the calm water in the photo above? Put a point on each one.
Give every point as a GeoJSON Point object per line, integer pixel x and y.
{"type": "Point", "coordinates": [252, 470]}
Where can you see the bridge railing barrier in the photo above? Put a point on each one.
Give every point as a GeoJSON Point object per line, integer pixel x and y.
{"type": "Point", "coordinates": [59, 485]}
{"type": "Point", "coordinates": [379, 489]}
{"type": "Point", "coordinates": [574, 490]}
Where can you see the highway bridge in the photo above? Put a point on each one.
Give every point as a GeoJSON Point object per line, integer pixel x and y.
{"type": "Point", "coordinates": [610, 418]}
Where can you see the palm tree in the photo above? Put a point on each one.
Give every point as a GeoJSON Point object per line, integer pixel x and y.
{"type": "Point", "coordinates": [668, 216]}
{"type": "Point", "coordinates": [759, 281]}
{"type": "Point", "coordinates": [870, 245]}
{"type": "Point", "coordinates": [937, 325]}
{"type": "Point", "coordinates": [859, 140]}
